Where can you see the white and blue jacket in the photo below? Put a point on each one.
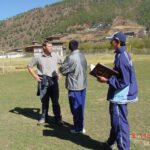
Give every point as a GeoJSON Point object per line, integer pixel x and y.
{"type": "Point", "coordinates": [123, 89]}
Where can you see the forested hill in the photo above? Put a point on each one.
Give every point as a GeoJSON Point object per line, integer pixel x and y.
{"type": "Point", "coordinates": [68, 16]}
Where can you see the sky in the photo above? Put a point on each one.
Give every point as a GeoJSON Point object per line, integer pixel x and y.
{"type": "Point", "coordinates": [9, 8]}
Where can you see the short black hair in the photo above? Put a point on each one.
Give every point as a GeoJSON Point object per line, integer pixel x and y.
{"type": "Point", "coordinates": [45, 42]}
{"type": "Point", "coordinates": [121, 43]}
{"type": "Point", "coordinates": [73, 45]}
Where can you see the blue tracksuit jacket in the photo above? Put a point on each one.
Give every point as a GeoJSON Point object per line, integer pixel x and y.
{"type": "Point", "coordinates": [123, 89]}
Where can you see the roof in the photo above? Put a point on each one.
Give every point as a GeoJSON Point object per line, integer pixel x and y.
{"type": "Point", "coordinates": [51, 38]}
{"type": "Point", "coordinates": [31, 48]}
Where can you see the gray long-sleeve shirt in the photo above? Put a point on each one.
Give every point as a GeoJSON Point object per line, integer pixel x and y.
{"type": "Point", "coordinates": [74, 68]}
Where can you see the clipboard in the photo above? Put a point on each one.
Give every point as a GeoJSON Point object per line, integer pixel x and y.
{"type": "Point", "coordinates": [102, 70]}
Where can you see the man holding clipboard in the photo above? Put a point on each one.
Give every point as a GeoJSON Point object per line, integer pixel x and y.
{"type": "Point", "coordinates": [122, 90]}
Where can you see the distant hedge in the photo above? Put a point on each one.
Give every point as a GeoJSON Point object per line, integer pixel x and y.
{"type": "Point", "coordinates": [135, 45]}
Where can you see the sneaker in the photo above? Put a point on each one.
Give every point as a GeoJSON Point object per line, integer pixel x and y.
{"type": "Point", "coordinates": [59, 122]}
{"type": "Point", "coordinates": [41, 121]}
{"type": "Point", "coordinates": [83, 131]}
{"type": "Point", "coordinates": [106, 146]}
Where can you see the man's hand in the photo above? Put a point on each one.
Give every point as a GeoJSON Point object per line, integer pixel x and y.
{"type": "Point", "coordinates": [58, 76]}
{"type": "Point", "coordinates": [102, 79]}
{"type": "Point", "coordinates": [37, 78]}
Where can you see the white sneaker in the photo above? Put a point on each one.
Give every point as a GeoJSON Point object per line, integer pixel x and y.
{"type": "Point", "coordinates": [83, 131]}
{"type": "Point", "coordinates": [74, 131]}
{"type": "Point", "coordinates": [41, 121]}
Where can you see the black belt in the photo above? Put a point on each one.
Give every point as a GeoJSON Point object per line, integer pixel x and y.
{"type": "Point", "coordinates": [48, 77]}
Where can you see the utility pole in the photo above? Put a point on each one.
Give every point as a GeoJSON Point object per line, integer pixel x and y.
{"type": "Point", "coordinates": [3, 67]}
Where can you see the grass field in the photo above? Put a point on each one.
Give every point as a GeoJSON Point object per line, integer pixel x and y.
{"type": "Point", "coordinates": [19, 112]}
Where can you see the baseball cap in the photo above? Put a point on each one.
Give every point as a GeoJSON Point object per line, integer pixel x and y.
{"type": "Point", "coordinates": [118, 36]}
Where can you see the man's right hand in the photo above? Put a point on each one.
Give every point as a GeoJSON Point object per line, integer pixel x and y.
{"type": "Point", "coordinates": [38, 78]}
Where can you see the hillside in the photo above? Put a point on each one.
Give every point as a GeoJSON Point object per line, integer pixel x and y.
{"type": "Point", "coordinates": [69, 16]}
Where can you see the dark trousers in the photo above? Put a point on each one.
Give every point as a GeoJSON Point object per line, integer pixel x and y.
{"type": "Point", "coordinates": [119, 126]}
{"type": "Point", "coordinates": [52, 92]}
{"type": "Point", "coordinates": [77, 103]}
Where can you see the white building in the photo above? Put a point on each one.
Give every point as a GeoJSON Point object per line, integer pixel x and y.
{"type": "Point", "coordinates": [12, 55]}
{"type": "Point", "coordinates": [36, 48]}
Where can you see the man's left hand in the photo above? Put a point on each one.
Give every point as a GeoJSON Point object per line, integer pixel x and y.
{"type": "Point", "coordinates": [58, 76]}
{"type": "Point", "coordinates": [102, 79]}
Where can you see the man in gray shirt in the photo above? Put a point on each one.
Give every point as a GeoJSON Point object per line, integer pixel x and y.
{"type": "Point", "coordinates": [47, 78]}
{"type": "Point", "coordinates": [74, 68]}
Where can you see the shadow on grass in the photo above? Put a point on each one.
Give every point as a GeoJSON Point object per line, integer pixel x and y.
{"type": "Point", "coordinates": [63, 132]}
{"type": "Point", "coordinates": [32, 113]}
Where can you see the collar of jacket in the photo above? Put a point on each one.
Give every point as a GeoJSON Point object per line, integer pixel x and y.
{"type": "Point", "coordinates": [75, 51]}
{"type": "Point", "coordinates": [120, 50]}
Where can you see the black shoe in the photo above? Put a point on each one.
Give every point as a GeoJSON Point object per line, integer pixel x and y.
{"type": "Point", "coordinates": [105, 146]}
{"type": "Point", "coordinates": [59, 122]}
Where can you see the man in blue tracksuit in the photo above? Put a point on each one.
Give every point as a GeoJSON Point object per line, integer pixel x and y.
{"type": "Point", "coordinates": [74, 68]}
{"type": "Point", "coordinates": [122, 90]}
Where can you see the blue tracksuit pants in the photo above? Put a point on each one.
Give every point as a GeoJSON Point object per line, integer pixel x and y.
{"type": "Point", "coordinates": [119, 126]}
{"type": "Point", "coordinates": [77, 103]}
